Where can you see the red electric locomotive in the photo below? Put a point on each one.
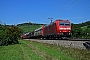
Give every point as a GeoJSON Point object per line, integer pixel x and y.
{"type": "Point", "coordinates": [57, 29]}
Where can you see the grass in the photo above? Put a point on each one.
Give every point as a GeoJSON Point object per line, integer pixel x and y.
{"type": "Point", "coordinates": [12, 52]}
{"type": "Point", "coordinates": [56, 55]}
{"type": "Point", "coordinates": [30, 50]}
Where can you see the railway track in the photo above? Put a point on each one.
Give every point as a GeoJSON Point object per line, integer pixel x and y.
{"type": "Point", "coordinates": [79, 39]}
{"type": "Point", "coordinates": [73, 43]}
{"type": "Point", "coordinates": [67, 39]}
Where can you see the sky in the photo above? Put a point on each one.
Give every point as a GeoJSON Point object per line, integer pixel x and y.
{"type": "Point", "coordinates": [38, 11]}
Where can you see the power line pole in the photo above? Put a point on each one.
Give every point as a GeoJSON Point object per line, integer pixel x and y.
{"type": "Point", "coordinates": [51, 19]}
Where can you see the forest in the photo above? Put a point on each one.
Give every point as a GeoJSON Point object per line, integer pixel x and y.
{"type": "Point", "coordinates": [81, 30]}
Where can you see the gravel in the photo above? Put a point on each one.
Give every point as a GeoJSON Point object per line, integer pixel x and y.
{"type": "Point", "coordinates": [66, 43]}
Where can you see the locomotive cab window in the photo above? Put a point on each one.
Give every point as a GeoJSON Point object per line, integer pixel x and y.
{"type": "Point", "coordinates": [67, 24]}
{"type": "Point", "coordinates": [61, 23]}
{"type": "Point", "coordinates": [64, 24]}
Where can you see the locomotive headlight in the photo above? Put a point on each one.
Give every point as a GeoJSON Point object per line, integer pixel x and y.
{"type": "Point", "coordinates": [61, 28]}
{"type": "Point", "coordinates": [68, 28]}
{"type": "Point", "coordinates": [68, 31]}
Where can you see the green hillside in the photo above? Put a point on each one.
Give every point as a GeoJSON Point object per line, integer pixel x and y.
{"type": "Point", "coordinates": [29, 27]}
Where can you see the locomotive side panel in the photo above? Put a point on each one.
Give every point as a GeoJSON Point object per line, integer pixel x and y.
{"type": "Point", "coordinates": [49, 29]}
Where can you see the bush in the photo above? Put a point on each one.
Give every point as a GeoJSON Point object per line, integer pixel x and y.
{"type": "Point", "coordinates": [9, 35]}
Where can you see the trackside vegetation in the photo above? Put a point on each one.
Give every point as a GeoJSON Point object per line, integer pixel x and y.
{"type": "Point", "coordinates": [31, 50]}
{"type": "Point", "coordinates": [81, 30]}
{"type": "Point", "coordinates": [9, 34]}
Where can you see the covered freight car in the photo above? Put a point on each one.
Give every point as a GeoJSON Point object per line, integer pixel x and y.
{"type": "Point", "coordinates": [25, 36]}
{"type": "Point", "coordinates": [38, 33]}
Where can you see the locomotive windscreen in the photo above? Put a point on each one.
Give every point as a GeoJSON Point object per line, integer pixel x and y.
{"type": "Point", "coordinates": [64, 23]}
{"type": "Point", "coordinates": [67, 24]}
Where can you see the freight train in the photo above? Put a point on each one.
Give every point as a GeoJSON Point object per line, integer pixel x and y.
{"type": "Point", "coordinates": [57, 29]}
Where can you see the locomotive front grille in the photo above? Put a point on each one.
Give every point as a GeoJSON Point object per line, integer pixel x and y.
{"type": "Point", "coordinates": [65, 34]}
